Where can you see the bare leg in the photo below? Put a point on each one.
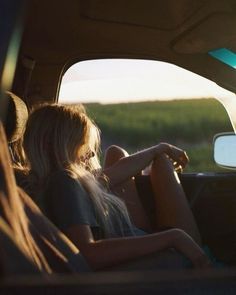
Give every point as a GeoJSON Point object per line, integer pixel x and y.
{"type": "Point", "coordinates": [127, 191]}
{"type": "Point", "coordinates": [172, 208]}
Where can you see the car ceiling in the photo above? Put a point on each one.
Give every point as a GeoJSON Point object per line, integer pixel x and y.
{"type": "Point", "coordinates": [59, 33]}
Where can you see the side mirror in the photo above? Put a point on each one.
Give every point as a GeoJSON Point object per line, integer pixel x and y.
{"type": "Point", "coordinates": [225, 150]}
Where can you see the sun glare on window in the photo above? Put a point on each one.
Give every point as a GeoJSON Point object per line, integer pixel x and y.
{"type": "Point", "coordinates": [123, 80]}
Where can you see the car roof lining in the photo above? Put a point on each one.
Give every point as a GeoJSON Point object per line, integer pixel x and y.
{"type": "Point", "coordinates": [87, 30]}
{"type": "Point", "coordinates": [141, 13]}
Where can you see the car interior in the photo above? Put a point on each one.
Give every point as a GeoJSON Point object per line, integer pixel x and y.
{"type": "Point", "coordinates": [42, 39]}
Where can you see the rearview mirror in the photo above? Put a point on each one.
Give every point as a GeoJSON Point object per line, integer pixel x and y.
{"type": "Point", "coordinates": [225, 150]}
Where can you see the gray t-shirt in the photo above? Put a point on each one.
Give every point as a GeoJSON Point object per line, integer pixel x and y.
{"type": "Point", "coordinates": [67, 203]}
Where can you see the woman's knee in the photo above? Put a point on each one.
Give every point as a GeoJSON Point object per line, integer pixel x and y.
{"type": "Point", "coordinates": [113, 154]}
{"type": "Point", "coordinates": [162, 168]}
{"type": "Point", "coordinates": [162, 161]}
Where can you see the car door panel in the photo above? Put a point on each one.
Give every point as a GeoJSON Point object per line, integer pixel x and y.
{"type": "Point", "coordinates": [212, 197]}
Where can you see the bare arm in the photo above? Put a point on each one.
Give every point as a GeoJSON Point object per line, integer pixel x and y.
{"type": "Point", "coordinates": [130, 166]}
{"type": "Point", "coordinates": [109, 252]}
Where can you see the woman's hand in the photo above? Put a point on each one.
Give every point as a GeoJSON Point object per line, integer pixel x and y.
{"type": "Point", "coordinates": [187, 246]}
{"type": "Point", "coordinates": [178, 156]}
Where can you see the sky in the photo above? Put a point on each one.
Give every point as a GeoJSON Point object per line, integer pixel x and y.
{"type": "Point", "coordinates": [119, 80]}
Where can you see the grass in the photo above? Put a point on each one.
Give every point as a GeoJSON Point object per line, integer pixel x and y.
{"type": "Point", "coordinates": [189, 124]}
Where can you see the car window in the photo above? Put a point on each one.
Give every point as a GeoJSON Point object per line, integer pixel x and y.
{"type": "Point", "coordinates": [138, 103]}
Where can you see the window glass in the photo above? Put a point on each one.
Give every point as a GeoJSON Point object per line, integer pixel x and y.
{"type": "Point", "coordinates": [138, 103]}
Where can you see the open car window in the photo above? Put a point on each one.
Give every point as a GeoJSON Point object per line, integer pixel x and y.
{"type": "Point", "coordinates": [137, 103]}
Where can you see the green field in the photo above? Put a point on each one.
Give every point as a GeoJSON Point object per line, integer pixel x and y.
{"type": "Point", "coordinates": [189, 124]}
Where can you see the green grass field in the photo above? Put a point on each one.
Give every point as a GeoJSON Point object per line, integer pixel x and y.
{"type": "Point", "coordinates": [189, 124]}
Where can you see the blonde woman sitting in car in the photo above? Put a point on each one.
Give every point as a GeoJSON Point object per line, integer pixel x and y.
{"type": "Point", "coordinates": [61, 144]}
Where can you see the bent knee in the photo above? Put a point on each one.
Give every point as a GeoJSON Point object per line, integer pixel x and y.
{"type": "Point", "coordinates": [161, 163]}
{"type": "Point", "coordinates": [113, 154]}
{"type": "Point", "coordinates": [161, 159]}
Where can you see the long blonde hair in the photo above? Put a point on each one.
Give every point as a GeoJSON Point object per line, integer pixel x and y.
{"type": "Point", "coordinates": [61, 137]}
{"type": "Point", "coordinates": [12, 210]}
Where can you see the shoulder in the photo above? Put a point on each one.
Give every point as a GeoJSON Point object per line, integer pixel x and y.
{"type": "Point", "coordinates": [62, 186]}
{"type": "Point", "coordinates": [67, 203]}
{"type": "Point", "coordinates": [61, 180]}
{"type": "Point", "coordinates": [61, 176]}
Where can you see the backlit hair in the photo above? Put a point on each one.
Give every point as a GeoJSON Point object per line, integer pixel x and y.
{"type": "Point", "coordinates": [61, 137]}
{"type": "Point", "coordinates": [13, 218]}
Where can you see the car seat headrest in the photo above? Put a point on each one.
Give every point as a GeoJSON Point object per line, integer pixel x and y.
{"type": "Point", "coordinates": [17, 115]}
